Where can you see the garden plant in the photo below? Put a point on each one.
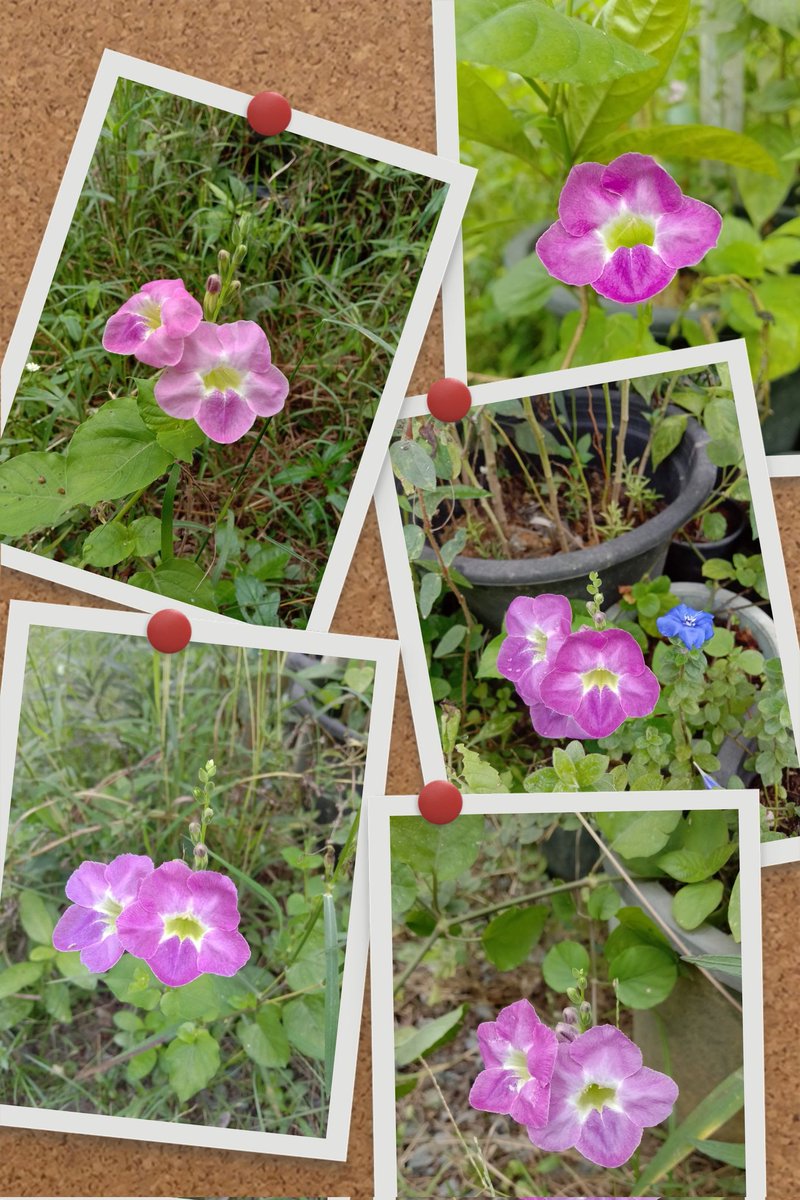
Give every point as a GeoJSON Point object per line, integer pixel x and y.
{"type": "Point", "coordinates": [210, 356]}
{"type": "Point", "coordinates": [530, 971]}
{"type": "Point", "coordinates": [177, 881]}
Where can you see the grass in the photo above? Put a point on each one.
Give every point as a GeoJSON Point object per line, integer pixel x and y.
{"type": "Point", "coordinates": [336, 243]}
{"type": "Point", "coordinates": [111, 739]}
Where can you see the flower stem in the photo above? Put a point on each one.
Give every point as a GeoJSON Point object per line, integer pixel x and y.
{"type": "Point", "coordinates": [547, 470]}
{"type": "Point", "coordinates": [580, 328]}
{"type": "Point", "coordinates": [167, 513]}
{"type": "Point", "coordinates": [622, 434]}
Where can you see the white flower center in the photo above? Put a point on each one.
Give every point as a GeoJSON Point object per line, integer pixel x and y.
{"type": "Point", "coordinates": [538, 639]}
{"type": "Point", "coordinates": [151, 311]}
{"type": "Point", "coordinates": [600, 678]}
{"type": "Point", "coordinates": [184, 925]}
{"type": "Point", "coordinates": [110, 909]}
{"type": "Point", "coordinates": [223, 378]}
{"type": "Point", "coordinates": [628, 229]}
{"type": "Point", "coordinates": [596, 1096]}
{"type": "Point", "coordinates": [517, 1061]}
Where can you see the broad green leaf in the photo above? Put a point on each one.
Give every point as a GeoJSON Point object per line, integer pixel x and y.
{"type": "Point", "coordinates": [778, 295]}
{"type": "Point", "coordinates": [487, 667]}
{"type": "Point", "coordinates": [259, 604]}
{"type": "Point", "coordinates": [308, 969]}
{"type": "Point", "coordinates": [427, 1037]}
{"type": "Point", "coordinates": [132, 982]}
{"type": "Point", "coordinates": [479, 776]}
{"type": "Point", "coordinates": [109, 544]}
{"type": "Point", "coordinates": [19, 978]}
{"type": "Point", "coordinates": [530, 38]}
{"type": "Point", "coordinates": [404, 888]}
{"type": "Point", "coordinates": [179, 579]}
{"type": "Point", "coordinates": [56, 998]}
{"type": "Point", "coordinates": [36, 918]}
{"type": "Point", "coordinates": [484, 117]}
{"type": "Point", "coordinates": [730, 1153]}
{"type": "Point", "coordinates": [696, 901]}
{"type": "Point", "coordinates": [762, 197]}
{"type": "Point", "coordinates": [693, 866]}
{"type": "Point", "coordinates": [13, 1013]}
{"type": "Point", "coordinates": [728, 964]}
{"type": "Point", "coordinates": [723, 1102]}
{"type": "Point", "coordinates": [304, 1025]}
{"type": "Point", "coordinates": [668, 437]}
{"type": "Point", "coordinates": [783, 13]}
{"type": "Point", "coordinates": [653, 27]}
{"type": "Point", "coordinates": [70, 966]}
{"type": "Point", "coordinates": [204, 999]}
{"type": "Point", "coordinates": [444, 850]}
{"type": "Point", "coordinates": [429, 591]}
{"type": "Point", "coordinates": [692, 142]}
{"type": "Point", "coordinates": [735, 911]}
{"type": "Point", "coordinates": [33, 493]}
{"type": "Point", "coordinates": [113, 454]}
{"type": "Point", "coordinates": [524, 289]}
{"type": "Point", "coordinates": [604, 902]}
{"type": "Point", "coordinates": [739, 249]}
{"type": "Point", "coordinates": [414, 536]}
{"type": "Point", "coordinates": [509, 937]}
{"type": "Point", "coordinates": [561, 961]}
{"type": "Point", "coordinates": [141, 1065]}
{"type": "Point", "coordinates": [635, 928]}
{"type": "Point", "coordinates": [191, 1064]}
{"type": "Point", "coordinates": [178, 438]}
{"type": "Point", "coordinates": [645, 975]}
{"type": "Point", "coordinates": [147, 536]}
{"type": "Point", "coordinates": [413, 465]}
{"type": "Point", "coordinates": [637, 835]}
{"type": "Point", "coordinates": [264, 1040]}
{"type": "Point", "coordinates": [451, 641]}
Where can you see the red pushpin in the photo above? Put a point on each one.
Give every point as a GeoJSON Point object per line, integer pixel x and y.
{"type": "Point", "coordinates": [440, 802]}
{"type": "Point", "coordinates": [269, 113]}
{"type": "Point", "coordinates": [169, 631]}
{"type": "Point", "coordinates": [449, 399]}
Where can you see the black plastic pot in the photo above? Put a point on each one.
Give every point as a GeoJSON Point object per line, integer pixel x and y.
{"type": "Point", "coordinates": [781, 429]}
{"type": "Point", "coordinates": [685, 480]}
{"type": "Point", "coordinates": [685, 559]}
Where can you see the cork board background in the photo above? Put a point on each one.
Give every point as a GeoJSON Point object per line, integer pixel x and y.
{"type": "Point", "coordinates": [370, 65]}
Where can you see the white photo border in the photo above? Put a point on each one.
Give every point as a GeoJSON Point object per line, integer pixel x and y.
{"type": "Point", "coordinates": [734, 355]}
{"type": "Point", "coordinates": [382, 809]}
{"type": "Point", "coordinates": [454, 315]}
{"type": "Point", "coordinates": [23, 615]}
{"type": "Point", "coordinates": [113, 67]}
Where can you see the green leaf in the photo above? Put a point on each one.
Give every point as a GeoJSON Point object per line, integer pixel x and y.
{"type": "Point", "coordinates": [532, 39]}
{"type": "Point", "coordinates": [191, 1064]}
{"type": "Point", "coordinates": [645, 976]}
{"type": "Point", "coordinates": [652, 27]}
{"type": "Point", "coordinates": [714, 526]}
{"type": "Point", "coordinates": [696, 901]}
{"type": "Point", "coordinates": [132, 982]}
{"type": "Point", "coordinates": [304, 1025]}
{"type": "Point", "coordinates": [419, 1042]}
{"type": "Point", "coordinates": [36, 918]}
{"type": "Point", "coordinates": [692, 142]}
{"type": "Point", "coordinates": [487, 667]}
{"type": "Point", "coordinates": [141, 1065]}
{"type": "Point", "coordinates": [783, 13]}
{"type": "Point", "coordinates": [479, 776]}
{"type": "Point", "coordinates": [604, 902]}
{"type": "Point", "coordinates": [693, 866]}
{"type": "Point", "coordinates": [762, 197]}
{"type": "Point", "coordinates": [738, 250]}
{"type": "Point", "coordinates": [560, 962]}
{"type": "Point", "coordinates": [33, 493]}
{"type": "Point", "coordinates": [57, 1002]}
{"type": "Point", "coordinates": [147, 536]}
{"type": "Point", "coordinates": [451, 641]}
{"type": "Point", "coordinates": [723, 1102]}
{"type": "Point", "coordinates": [637, 835]}
{"type": "Point", "coordinates": [484, 117]}
{"type": "Point", "coordinates": [729, 964]}
{"type": "Point", "coordinates": [444, 850]}
{"type": "Point", "coordinates": [509, 937]}
{"type": "Point", "coordinates": [404, 888]}
{"type": "Point", "coordinates": [19, 978]}
{"type": "Point", "coordinates": [429, 590]}
{"type": "Point", "coordinates": [524, 289]}
{"type": "Point", "coordinates": [735, 911]}
{"type": "Point", "coordinates": [203, 999]}
{"type": "Point", "coordinates": [259, 604]}
{"type": "Point", "coordinates": [668, 437]}
{"type": "Point", "coordinates": [264, 1040]}
{"type": "Point", "coordinates": [730, 1153]}
{"type": "Point", "coordinates": [721, 642]}
{"type": "Point", "coordinates": [113, 454]}
{"type": "Point", "coordinates": [414, 536]}
{"type": "Point", "coordinates": [178, 438]}
{"type": "Point", "coordinates": [108, 545]}
{"type": "Point", "coordinates": [13, 1013]}
{"type": "Point", "coordinates": [412, 464]}
{"type": "Point", "coordinates": [179, 579]}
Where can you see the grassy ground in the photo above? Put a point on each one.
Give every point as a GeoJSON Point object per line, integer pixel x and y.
{"type": "Point", "coordinates": [335, 247]}
{"type": "Point", "coordinates": [111, 739]}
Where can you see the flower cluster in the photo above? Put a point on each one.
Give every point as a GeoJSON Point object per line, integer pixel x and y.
{"type": "Point", "coordinates": [220, 376]}
{"type": "Point", "coordinates": [576, 685]}
{"type": "Point", "coordinates": [182, 923]}
{"type": "Point", "coordinates": [589, 1091]}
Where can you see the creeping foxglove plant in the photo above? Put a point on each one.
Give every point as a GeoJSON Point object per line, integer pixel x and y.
{"type": "Point", "coordinates": [152, 324]}
{"type": "Point", "coordinates": [519, 1053]}
{"type": "Point", "coordinates": [100, 893]}
{"type": "Point", "coordinates": [626, 229]}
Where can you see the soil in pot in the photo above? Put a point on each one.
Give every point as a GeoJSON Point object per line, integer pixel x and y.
{"type": "Point", "coordinates": [690, 549]}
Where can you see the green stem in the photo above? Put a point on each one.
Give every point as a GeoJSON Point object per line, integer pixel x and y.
{"type": "Point", "coordinates": [167, 513]}
{"type": "Point", "coordinates": [128, 505]}
{"type": "Point", "coordinates": [622, 434]}
{"type": "Point", "coordinates": [331, 985]}
{"type": "Point", "coordinates": [547, 471]}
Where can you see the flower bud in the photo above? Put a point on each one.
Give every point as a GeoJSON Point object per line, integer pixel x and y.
{"type": "Point", "coordinates": [566, 1033]}
{"type": "Point", "coordinates": [213, 285]}
{"type": "Point", "coordinates": [570, 1015]}
{"type": "Point", "coordinates": [236, 287]}
{"type": "Point", "coordinates": [200, 852]}
{"type": "Point", "coordinates": [238, 254]}
{"type": "Point", "coordinates": [208, 814]}
{"type": "Point", "coordinates": [223, 258]}
{"type": "Point", "coordinates": [194, 830]}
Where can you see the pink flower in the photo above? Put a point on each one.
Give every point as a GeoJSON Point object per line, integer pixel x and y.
{"type": "Point", "coordinates": [519, 1054]}
{"type": "Point", "coordinates": [536, 627]}
{"type": "Point", "coordinates": [153, 323]}
{"type": "Point", "coordinates": [602, 1098]}
{"type": "Point", "coordinates": [625, 229]}
{"type": "Point", "coordinates": [100, 893]}
{"type": "Point", "coordinates": [185, 923]}
{"type": "Point", "coordinates": [550, 724]}
{"type": "Point", "coordinates": [224, 380]}
{"type": "Point", "coordinates": [600, 678]}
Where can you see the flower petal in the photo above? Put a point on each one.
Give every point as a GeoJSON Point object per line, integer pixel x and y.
{"type": "Point", "coordinates": [214, 899]}
{"type": "Point", "coordinates": [159, 349]}
{"type": "Point", "coordinates": [514, 657]}
{"type": "Point", "coordinates": [573, 260]}
{"type": "Point", "coordinates": [600, 712]}
{"type": "Point", "coordinates": [180, 393]}
{"type": "Point", "coordinates": [608, 1138]}
{"type": "Point", "coordinates": [225, 416]}
{"type": "Point", "coordinates": [494, 1090]}
{"type": "Point", "coordinates": [180, 314]}
{"type": "Point", "coordinates": [124, 874]}
{"type": "Point", "coordinates": [648, 1097]}
{"type": "Point", "coordinates": [167, 889]}
{"type": "Point", "coordinates": [632, 275]}
{"type": "Point", "coordinates": [203, 349]}
{"type": "Point", "coordinates": [584, 203]}
{"type": "Point", "coordinates": [564, 1122]}
{"type": "Point", "coordinates": [222, 952]}
{"type": "Point", "coordinates": [245, 346]}
{"type": "Point", "coordinates": [102, 955]}
{"type": "Point", "coordinates": [175, 962]}
{"type": "Point", "coordinates": [266, 391]}
{"type": "Point", "coordinates": [124, 332]}
{"type": "Point", "coordinates": [550, 724]}
{"type": "Point", "coordinates": [87, 885]}
{"type": "Point", "coordinates": [140, 929]}
{"type": "Point", "coordinates": [531, 1105]}
{"type": "Point", "coordinates": [606, 1055]}
{"type": "Point", "coordinates": [639, 694]}
{"type": "Point", "coordinates": [685, 235]}
{"type": "Point", "coordinates": [493, 1046]}
{"type": "Point", "coordinates": [645, 187]}
{"type": "Point", "coordinates": [548, 613]}
{"type": "Point", "coordinates": [78, 928]}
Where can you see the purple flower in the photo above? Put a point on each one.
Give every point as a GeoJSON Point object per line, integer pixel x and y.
{"type": "Point", "coordinates": [691, 625]}
{"type": "Point", "coordinates": [99, 893]}
{"type": "Point", "coordinates": [153, 323]}
{"type": "Point", "coordinates": [185, 923]}
{"type": "Point", "coordinates": [536, 627]}
{"type": "Point", "coordinates": [625, 229]}
{"type": "Point", "coordinates": [550, 724]}
{"type": "Point", "coordinates": [224, 380]}
{"type": "Point", "coordinates": [519, 1054]}
{"type": "Point", "coordinates": [600, 679]}
{"type": "Point", "coordinates": [602, 1098]}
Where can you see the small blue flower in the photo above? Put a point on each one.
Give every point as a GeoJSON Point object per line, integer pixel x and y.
{"type": "Point", "coordinates": [692, 626]}
{"type": "Point", "coordinates": [708, 780]}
